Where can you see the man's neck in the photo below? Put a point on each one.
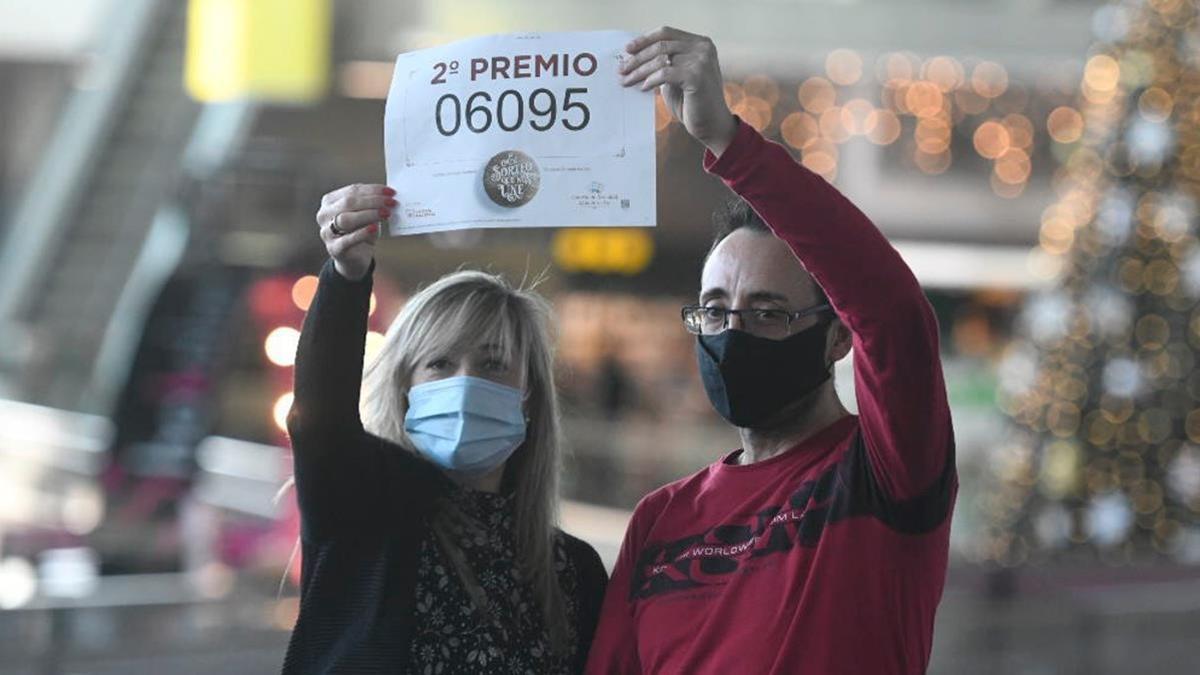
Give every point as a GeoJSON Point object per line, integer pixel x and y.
{"type": "Point", "coordinates": [807, 417]}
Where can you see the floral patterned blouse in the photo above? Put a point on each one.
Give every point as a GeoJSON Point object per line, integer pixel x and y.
{"type": "Point", "coordinates": [450, 636]}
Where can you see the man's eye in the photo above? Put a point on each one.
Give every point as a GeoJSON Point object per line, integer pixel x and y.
{"type": "Point", "coordinates": [713, 312]}
{"type": "Point", "coordinates": [768, 314]}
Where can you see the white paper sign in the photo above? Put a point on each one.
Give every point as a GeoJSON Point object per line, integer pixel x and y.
{"type": "Point", "coordinates": [524, 130]}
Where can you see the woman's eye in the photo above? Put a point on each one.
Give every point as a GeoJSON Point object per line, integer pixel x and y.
{"type": "Point", "coordinates": [438, 364]}
{"type": "Point", "coordinates": [495, 365]}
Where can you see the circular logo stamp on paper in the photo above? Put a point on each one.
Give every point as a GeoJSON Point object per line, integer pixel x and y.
{"type": "Point", "coordinates": [511, 178]}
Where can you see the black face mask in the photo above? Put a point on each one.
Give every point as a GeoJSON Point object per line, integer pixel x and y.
{"type": "Point", "coordinates": [750, 379]}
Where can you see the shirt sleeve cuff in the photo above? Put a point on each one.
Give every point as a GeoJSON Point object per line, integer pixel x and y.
{"type": "Point", "coordinates": [330, 274]}
{"type": "Point", "coordinates": [740, 149]}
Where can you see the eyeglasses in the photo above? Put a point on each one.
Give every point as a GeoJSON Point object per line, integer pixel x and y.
{"type": "Point", "coordinates": [701, 320]}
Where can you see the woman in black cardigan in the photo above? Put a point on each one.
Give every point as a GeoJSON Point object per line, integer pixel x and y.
{"type": "Point", "coordinates": [428, 508]}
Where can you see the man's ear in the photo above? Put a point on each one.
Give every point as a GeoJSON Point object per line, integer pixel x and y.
{"type": "Point", "coordinates": [838, 341]}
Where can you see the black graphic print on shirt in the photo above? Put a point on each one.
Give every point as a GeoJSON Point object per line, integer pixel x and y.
{"type": "Point", "coordinates": [846, 489]}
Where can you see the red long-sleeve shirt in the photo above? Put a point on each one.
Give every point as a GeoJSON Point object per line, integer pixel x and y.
{"type": "Point", "coordinates": [831, 557]}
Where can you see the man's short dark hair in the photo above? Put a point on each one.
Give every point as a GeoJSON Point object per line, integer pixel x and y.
{"type": "Point", "coordinates": [734, 215]}
{"type": "Point", "coordinates": [737, 214]}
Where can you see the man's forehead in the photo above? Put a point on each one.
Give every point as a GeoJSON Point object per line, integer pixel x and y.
{"type": "Point", "coordinates": [749, 294]}
{"type": "Point", "coordinates": [754, 266]}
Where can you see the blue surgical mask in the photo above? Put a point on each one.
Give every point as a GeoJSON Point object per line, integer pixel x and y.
{"type": "Point", "coordinates": [465, 424]}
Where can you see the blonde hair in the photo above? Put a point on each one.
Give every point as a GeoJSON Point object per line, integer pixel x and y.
{"type": "Point", "coordinates": [456, 314]}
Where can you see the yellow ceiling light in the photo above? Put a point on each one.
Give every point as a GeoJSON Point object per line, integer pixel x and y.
{"type": "Point", "coordinates": [276, 50]}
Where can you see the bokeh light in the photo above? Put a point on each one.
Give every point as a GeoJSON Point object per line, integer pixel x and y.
{"type": "Point", "coordinates": [817, 95]}
{"type": "Point", "coordinates": [844, 67]}
{"type": "Point", "coordinates": [280, 345]}
{"type": "Point", "coordinates": [992, 139]}
{"type": "Point", "coordinates": [989, 79]}
{"type": "Point", "coordinates": [279, 411]}
{"type": "Point", "coordinates": [303, 291]}
{"type": "Point", "coordinates": [1065, 124]}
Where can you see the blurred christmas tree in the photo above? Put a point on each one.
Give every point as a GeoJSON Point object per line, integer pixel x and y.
{"type": "Point", "coordinates": [1104, 387]}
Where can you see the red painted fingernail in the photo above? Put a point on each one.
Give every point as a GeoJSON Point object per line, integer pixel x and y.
{"type": "Point", "coordinates": [384, 213]}
{"type": "Point", "coordinates": [389, 191]}
{"type": "Point", "coordinates": [373, 227]}
{"type": "Point", "coordinates": [390, 202]}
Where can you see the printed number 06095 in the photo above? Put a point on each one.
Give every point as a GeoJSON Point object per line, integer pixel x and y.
{"type": "Point", "coordinates": [509, 112]}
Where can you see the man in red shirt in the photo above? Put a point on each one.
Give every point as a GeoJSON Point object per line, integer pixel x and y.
{"type": "Point", "coordinates": [820, 547]}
